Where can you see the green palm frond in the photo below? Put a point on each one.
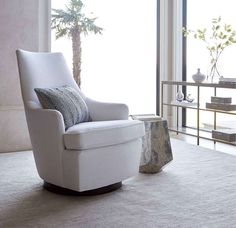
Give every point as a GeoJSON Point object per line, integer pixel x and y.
{"type": "Point", "coordinates": [88, 25]}
{"type": "Point", "coordinates": [61, 16]}
{"type": "Point", "coordinates": [61, 32]}
{"type": "Point", "coordinates": [65, 21]}
{"type": "Point", "coordinates": [76, 5]}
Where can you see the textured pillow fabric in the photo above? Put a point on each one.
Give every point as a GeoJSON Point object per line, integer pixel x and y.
{"type": "Point", "coordinates": [68, 101]}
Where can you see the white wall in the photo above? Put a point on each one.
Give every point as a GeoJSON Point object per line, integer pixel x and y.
{"type": "Point", "coordinates": [21, 27]}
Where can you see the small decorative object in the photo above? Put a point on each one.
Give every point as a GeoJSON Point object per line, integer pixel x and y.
{"type": "Point", "coordinates": [180, 96]}
{"type": "Point", "coordinates": [189, 98]}
{"type": "Point", "coordinates": [198, 77]}
{"type": "Point", "coordinates": [216, 40]}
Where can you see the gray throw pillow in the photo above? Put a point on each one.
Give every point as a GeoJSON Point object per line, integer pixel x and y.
{"type": "Point", "coordinates": [68, 101]}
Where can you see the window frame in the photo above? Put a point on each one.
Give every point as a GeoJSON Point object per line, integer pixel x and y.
{"type": "Point", "coordinates": [158, 92]}
{"type": "Point", "coordinates": [184, 60]}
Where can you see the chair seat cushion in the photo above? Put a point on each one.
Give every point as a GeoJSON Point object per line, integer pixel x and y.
{"type": "Point", "coordinates": [90, 135]}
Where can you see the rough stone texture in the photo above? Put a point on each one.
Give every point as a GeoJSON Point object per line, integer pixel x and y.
{"type": "Point", "coordinates": [156, 151]}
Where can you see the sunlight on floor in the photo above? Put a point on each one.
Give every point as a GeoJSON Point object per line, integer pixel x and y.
{"type": "Point", "coordinates": [206, 143]}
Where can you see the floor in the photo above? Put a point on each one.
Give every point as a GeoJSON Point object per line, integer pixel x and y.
{"type": "Point", "coordinates": [222, 147]}
{"type": "Point", "coordinates": [196, 190]}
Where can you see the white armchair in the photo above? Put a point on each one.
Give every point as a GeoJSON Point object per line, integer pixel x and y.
{"type": "Point", "coordinates": [87, 156]}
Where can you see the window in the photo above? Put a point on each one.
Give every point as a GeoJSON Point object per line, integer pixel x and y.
{"type": "Point", "coordinates": [120, 65]}
{"type": "Point", "coordinates": [199, 15]}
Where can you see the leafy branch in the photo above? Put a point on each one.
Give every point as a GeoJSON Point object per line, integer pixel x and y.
{"type": "Point", "coordinates": [216, 40]}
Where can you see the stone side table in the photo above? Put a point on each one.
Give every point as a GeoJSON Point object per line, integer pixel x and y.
{"type": "Point", "coordinates": [156, 148]}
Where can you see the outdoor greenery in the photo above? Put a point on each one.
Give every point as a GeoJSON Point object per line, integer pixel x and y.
{"type": "Point", "coordinates": [72, 22]}
{"type": "Point", "coordinates": [217, 39]}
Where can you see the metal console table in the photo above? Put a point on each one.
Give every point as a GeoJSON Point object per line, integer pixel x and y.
{"type": "Point", "coordinates": [197, 107]}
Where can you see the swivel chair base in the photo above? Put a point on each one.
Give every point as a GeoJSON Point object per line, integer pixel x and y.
{"type": "Point", "coordinates": [65, 191]}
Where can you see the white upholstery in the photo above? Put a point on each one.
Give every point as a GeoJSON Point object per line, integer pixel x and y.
{"type": "Point", "coordinates": [88, 155]}
{"type": "Point", "coordinates": [101, 166]}
{"type": "Point", "coordinates": [107, 111]}
{"type": "Point", "coordinates": [102, 133]}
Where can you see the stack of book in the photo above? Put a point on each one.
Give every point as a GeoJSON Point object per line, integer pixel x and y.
{"type": "Point", "coordinates": [221, 103]}
{"type": "Point", "coordinates": [227, 81]}
{"type": "Point", "coordinates": [228, 135]}
{"type": "Point", "coordinates": [146, 117]}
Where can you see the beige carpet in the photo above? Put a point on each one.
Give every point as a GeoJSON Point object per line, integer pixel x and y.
{"type": "Point", "coordinates": [198, 189]}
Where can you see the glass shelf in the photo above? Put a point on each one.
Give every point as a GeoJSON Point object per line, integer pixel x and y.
{"type": "Point", "coordinates": [196, 107]}
{"type": "Point", "coordinates": [201, 108]}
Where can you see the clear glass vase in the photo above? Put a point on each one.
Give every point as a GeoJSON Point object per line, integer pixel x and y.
{"type": "Point", "coordinates": [214, 75]}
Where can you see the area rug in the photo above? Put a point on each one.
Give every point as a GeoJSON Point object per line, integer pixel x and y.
{"type": "Point", "coordinates": [198, 189]}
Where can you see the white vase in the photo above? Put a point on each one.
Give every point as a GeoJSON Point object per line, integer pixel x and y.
{"type": "Point", "coordinates": [179, 96]}
{"type": "Point", "coordinates": [198, 77]}
{"type": "Point", "coordinates": [189, 98]}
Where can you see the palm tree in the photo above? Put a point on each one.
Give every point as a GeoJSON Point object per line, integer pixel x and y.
{"type": "Point", "coordinates": [71, 22]}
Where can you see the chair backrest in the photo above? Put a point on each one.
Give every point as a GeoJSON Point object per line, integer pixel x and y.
{"type": "Point", "coordinates": [42, 70]}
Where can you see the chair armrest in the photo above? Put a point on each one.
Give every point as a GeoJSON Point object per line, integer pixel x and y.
{"type": "Point", "coordinates": [44, 119]}
{"type": "Point", "coordinates": [46, 128]}
{"type": "Point", "coordinates": [101, 111]}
